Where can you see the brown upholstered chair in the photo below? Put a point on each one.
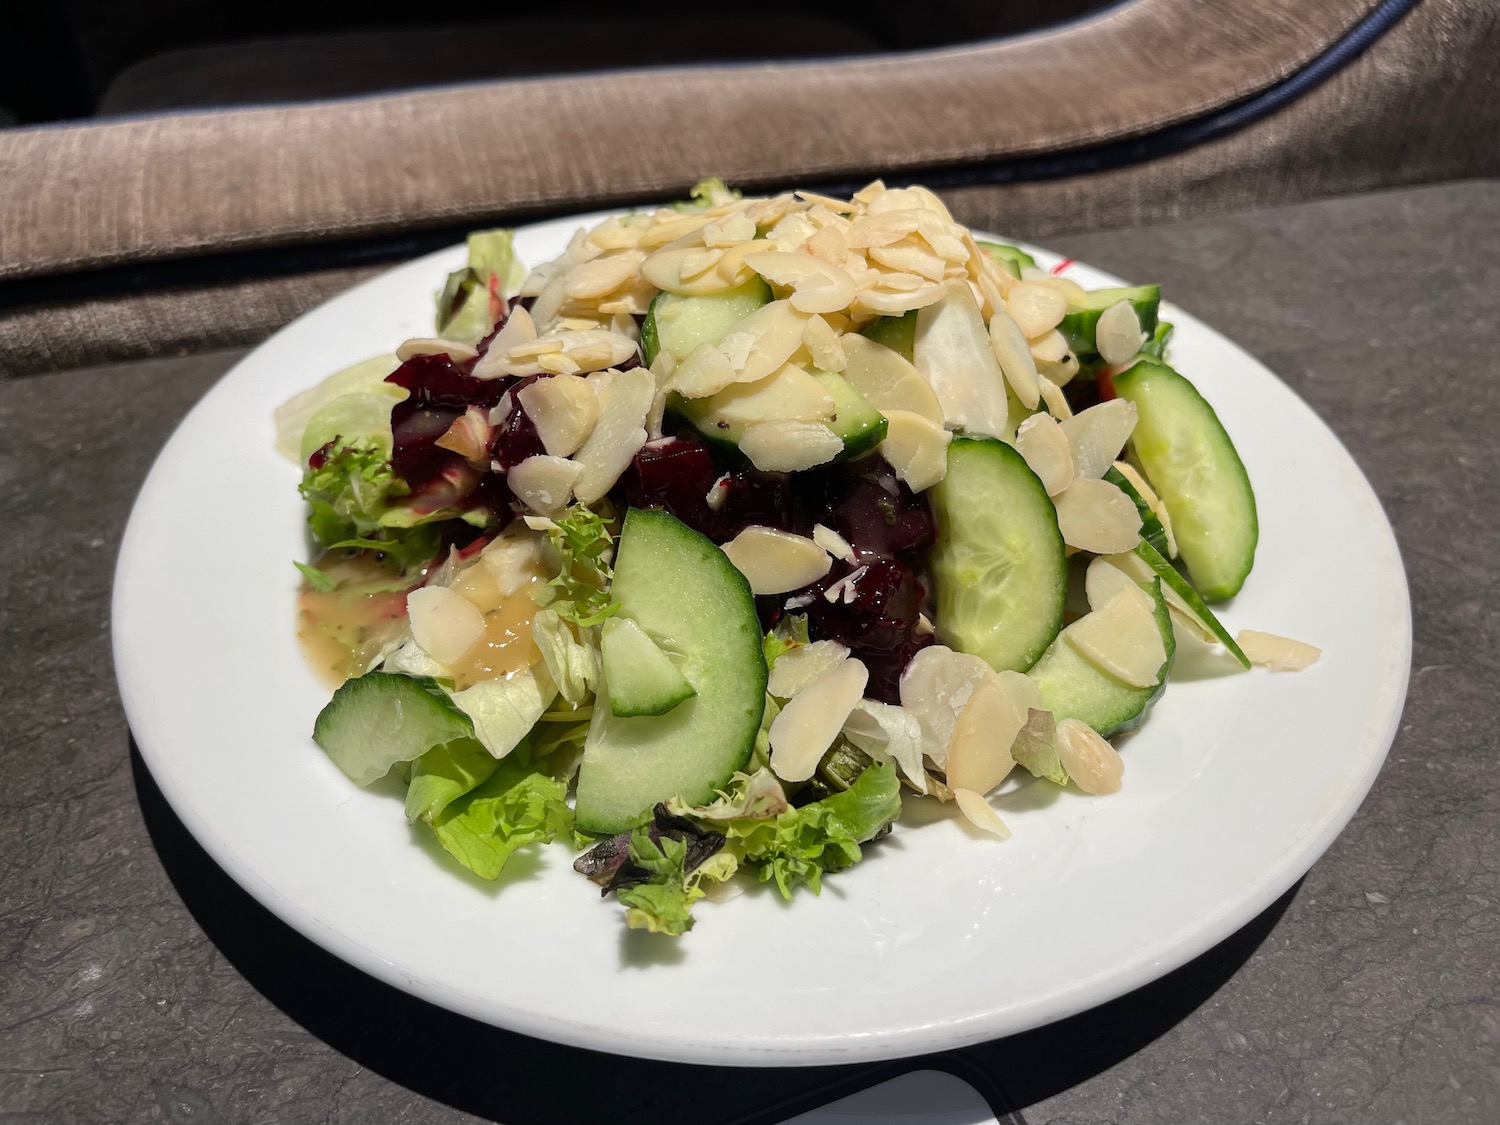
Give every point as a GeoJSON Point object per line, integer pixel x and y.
{"type": "Point", "coordinates": [139, 235]}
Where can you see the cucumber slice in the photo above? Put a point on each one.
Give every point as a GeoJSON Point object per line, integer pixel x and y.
{"type": "Point", "coordinates": [642, 678]}
{"type": "Point", "coordinates": [1011, 258]}
{"type": "Point", "coordinates": [1074, 688]}
{"type": "Point", "coordinates": [898, 333]}
{"type": "Point", "coordinates": [381, 718]}
{"type": "Point", "coordinates": [858, 424]}
{"type": "Point", "coordinates": [1151, 529]}
{"type": "Point", "coordinates": [1194, 604]}
{"type": "Point", "coordinates": [1078, 325]}
{"type": "Point", "coordinates": [678, 324]}
{"type": "Point", "coordinates": [999, 565]}
{"type": "Point", "coordinates": [677, 586]}
{"type": "Point", "coordinates": [1191, 463]}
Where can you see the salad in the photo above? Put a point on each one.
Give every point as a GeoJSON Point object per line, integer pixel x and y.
{"type": "Point", "coordinates": [701, 544]}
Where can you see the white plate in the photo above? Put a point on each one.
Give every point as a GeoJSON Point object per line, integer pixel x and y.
{"type": "Point", "coordinates": [941, 938]}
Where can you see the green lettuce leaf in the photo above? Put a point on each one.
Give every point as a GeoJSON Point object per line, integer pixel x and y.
{"type": "Point", "coordinates": [465, 311]}
{"type": "Point", "coordinates": [583, 544]}
{"type": "Point", "coordinates": [572, 656]}
{"type": "Point", "coordinates": [348, 497]}
{"type": "Point", "coordinates": [664, 903]}
{"type": "Point", "coordinates": [364, 378]}
{"type": "Point", "coordinates": [789, 633]}
{"type": "Point", "coordinates": [444, 774]}
{"type": "Point", "coordinates": [795, 848]}
{"type": "Point", "coordinates": [517, 805]}
{"type": "Point", "coordinates": [504, 711]}
{"type": "Point", "coordinates": [706, 194]}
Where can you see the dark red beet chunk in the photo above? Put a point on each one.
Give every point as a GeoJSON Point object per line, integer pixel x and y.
{"type": "Point", "coordinates": [865, 503]}
{"type": "Point", "coordinates": [441, 392]}
{"type": "Point", "coordinates": [679, 473]}
{"type": "Point", "coordinates": [515, 434]}
{"type": "Point", "coordinates": [878, 623]}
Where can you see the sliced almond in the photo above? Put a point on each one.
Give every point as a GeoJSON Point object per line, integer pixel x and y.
{"type": "Point", "coordinates": [1121, 638]}
{"type": "Point", "coordinates": [1118, 334]}
{"type": "Point", "coordinates": [513, 558]}
{"type": "Point", "coordinates": [824, 345]}
{"type": "Point", "coordinates": [978, 812]}
{"type": "Point", "coordinates": [1097, 435]}
{"type": "Point", "coordinates": [1106, 578]}
{"type": "Point", "coordinates": [1094, 515]}
{"type": "Point", "coordinates": [423, 345]}
{"type": "Point", "coordinates": [706, 370]}
{"type": "Point", "coordinates": [1042, 442]}
{"type": "Point", "coordinates": [979, 752]}
{"type": "Point", "coordinates": [563, 409]}
{"type": "Point", "coordinates": [936, 686]}
{"type": "Point", "coordinates": [469, 436]}
{"type": "Point", "coordinates": [917, 448]}
{"type": "Point", "coordinates": [790, 394]}
{"type": "Point", "coordinates": [1054, 359]}
{"type": "Point", "coordinates": [603, 275]}
{"type": "Point", "coordinates": [832, 542]}
{"type": "Point", "coordinates": [951, 350]}
{"type": "Point", "coordinates": [774, 562]}
{"type": "Point", "coordinates": [690, 270]}
{"type": "Point", "coordinates": [618, 435]}
{"type": "Point", "coordinates": [544, 484]}
{"type": "Point", "coordinates": [806, 727]}
{"type": "Point", "coordinates": [886, 380]}
{"type": "Point", "coordinates": [817, 286]}
{"type": "Point", "coordinates": [800, 666]}
{"type": "Point", "coordinates": [1279, 654]}
{"type": "Point", "coordinates": [1093, 764]}
{"type": "Point", "coordinates": [1036, 309]}
{"type": "Point", "coordinates": [1052, 396]}
{"type": "Point", "coordinates": [444, 623]}
{"type": "Point", "coordinates": [762, 342]}
{"type": "Point", "coordinates": [1014, 356]}
{"type": "Point", "coordinates": [789, 447]}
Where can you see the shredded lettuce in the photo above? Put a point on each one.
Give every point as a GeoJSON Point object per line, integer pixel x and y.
{"type": "Point", "coordinates": [883, 731]}
{"type": "Point", "coordinates": [364, 378]}
{"type": "Point", "coordinates": [570, 654]}
{"type": "Point", "coordinates": [1035, 747]}
{"type": "Point", "coordinates": [444, 774]}
{"type": "Point", "coordinates": [755, 795]}
{"type": "Point", "coordinates": [583, 544]}
{"type": "Point", "coordinates": [705, 194]}
{"type": "Point", "coordinates": [795, 848]}
{"type": "Point", "coordinates": [504, 711]}
{"type": "Point", "coordinates": [466, 307]}
{"type": "Point", "coordinates": [515, 806]}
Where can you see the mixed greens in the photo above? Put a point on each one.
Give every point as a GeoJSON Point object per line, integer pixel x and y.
{"type": "Point", "coordinates": [699, 545]}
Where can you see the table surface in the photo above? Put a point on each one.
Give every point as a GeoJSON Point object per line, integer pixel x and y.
{"type": "Point", "coordinates": [137, 982]}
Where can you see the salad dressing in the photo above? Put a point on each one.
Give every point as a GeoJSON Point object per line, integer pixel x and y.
{"type": "Point", "coordinates": [343, 631]}
{"type": "Point", "coordinates": [507, 645]}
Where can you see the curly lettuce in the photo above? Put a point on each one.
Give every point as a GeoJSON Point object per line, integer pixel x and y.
{"type": "Point", "coordinates": [517, 805]}
{"type": "Point", "coordinates": [797, 846]}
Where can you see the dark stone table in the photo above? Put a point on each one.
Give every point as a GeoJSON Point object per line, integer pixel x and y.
{"type": "Point", "coordinates": [137, 983]}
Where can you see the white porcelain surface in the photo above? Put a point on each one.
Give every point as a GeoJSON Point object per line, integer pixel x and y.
{"type": "Point", "coordinates": [1234, 786]}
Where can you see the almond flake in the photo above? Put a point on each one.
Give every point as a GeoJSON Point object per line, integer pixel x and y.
{"type": "Point", "coordinates": [775, 562]}
{"type": "Point", "coordinates": [979, 751]}
{"type": "Point", "coordinates": [936, 685]}
{"type": "Point", "coordinates": [1118, 334]}
{"type": "Point", "coordinates": [1092, 763]}
{"type": "Point", "coordinates": [1121, 638]}
{"type": "Point", "coordinates": [917, 448]}
{"type": "Point", "coordinates": [444, 623]}
{"type": "Point", "coordinates": [1279, 654]}
{"type": "Point", "coordinates": [619, 433]}
{"type": "Point", "coordinates": [1094, 515]}
{"type": "Point", "coordinates": [798, 667]}
{"type": "Point", "coordinates": [544, 484]}
{"type": "Point", "coordinates": [886, 380]}
{"type": "Point", "coordinates": [602, 276]}
{"type": "Point", "coordinates": [1097, 435]}
{"type": "Point", "coordinates": [790, 447]}
{"type": "Point", "coordinates": [839, 205]}
{"type": "Point", "coordinates": [1153, 501]}
{"type": "Point", "coordinates": [978, 812]}
{"type": "Point", "coordinates": [563, 410]}
{"type": "Point", "coordinates": [1037, 309]}
{"type": "Point", "coordinates": [1054, 359]}
{"type": "Point", "coordinates": [823, 345]}
{"type": "Point", "coordinates": [805, 728]}
{"type": "Point", "coordinates": [1014, 357]}
{"type": "Point", "coordinates": [1041, 441]}
{"type": "Point", "coordinates": [1052, 396]}
{"type": "Point", "coordinates": [832, 542]}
